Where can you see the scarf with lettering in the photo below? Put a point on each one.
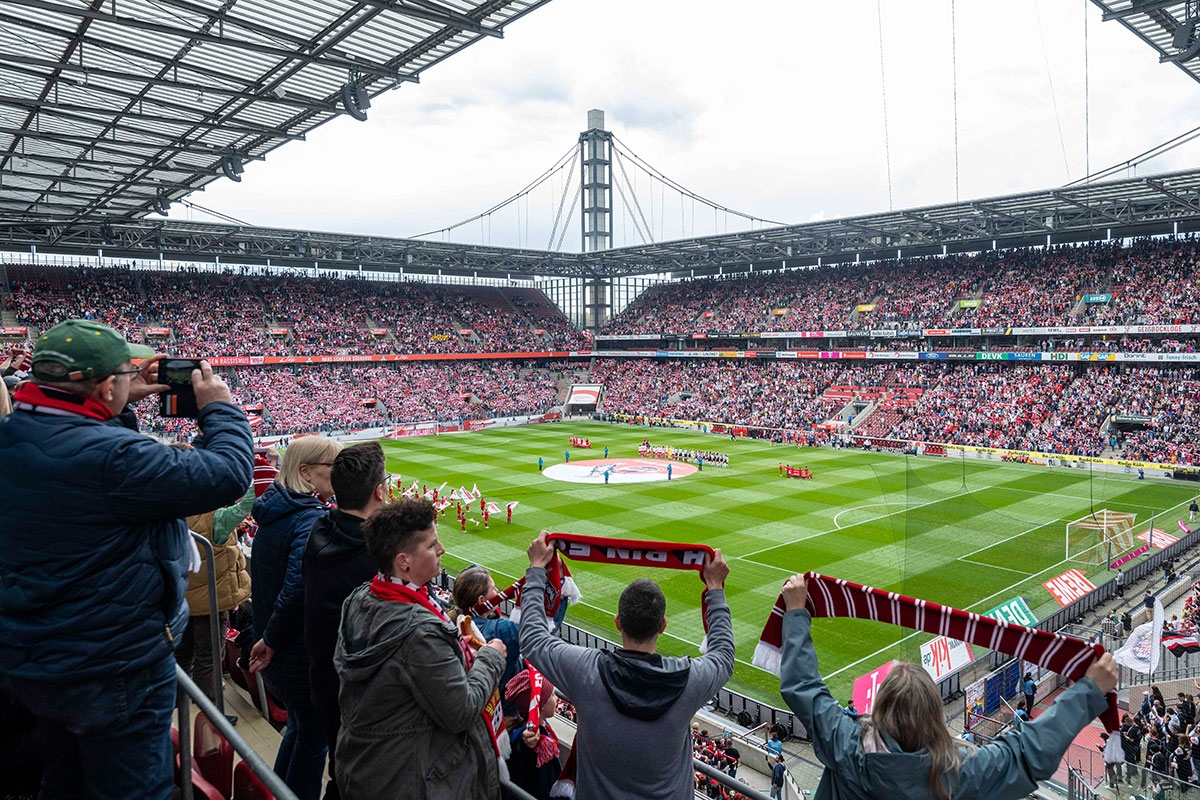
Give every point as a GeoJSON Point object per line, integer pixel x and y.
{"type": "Point", "coordinates": [388, 589]}
{"type": "Point", "coordinates": [636, 553]}
{"type": "Point", "coordinates": [532, 681]}
{"type": "Point", "coordinates": [833, 597]}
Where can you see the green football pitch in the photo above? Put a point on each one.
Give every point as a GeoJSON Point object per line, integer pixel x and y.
{"type": "Point", "coordinates": [962, 532]}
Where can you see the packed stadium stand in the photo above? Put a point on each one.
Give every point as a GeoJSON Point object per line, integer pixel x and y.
{"type": "Point", "coordinates": [1036, 407]}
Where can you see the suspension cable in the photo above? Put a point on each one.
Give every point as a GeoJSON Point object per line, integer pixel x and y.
{"type": "Point", "coordinates": [536, 182]}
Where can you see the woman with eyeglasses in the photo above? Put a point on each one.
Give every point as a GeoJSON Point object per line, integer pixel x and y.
{"type": "Point", "coordinates": [285, 514]}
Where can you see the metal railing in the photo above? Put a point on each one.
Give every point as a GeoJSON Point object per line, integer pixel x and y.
{"type": "Point", "coordinates": [192, 693]}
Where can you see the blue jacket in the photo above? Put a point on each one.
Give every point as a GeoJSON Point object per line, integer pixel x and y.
{"type": "Point", "coordinates": [284, 519]}
{"type": "Point", "coordinates": [93, 549]}
{"type": "Point", "coordinates": [1006, 769]}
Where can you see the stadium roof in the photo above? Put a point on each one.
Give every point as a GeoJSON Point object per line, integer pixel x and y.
{"type": "Point", "coordinates": [108, 105]}
{"type": "Point", "coordinates": [1158, 24]}
{"type": "Point", "coordinates": [1153, 205]}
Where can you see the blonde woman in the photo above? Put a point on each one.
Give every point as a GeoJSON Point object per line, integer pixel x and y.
{"type": "Point", "coordinates": [903, 749]}
{"type": "Point", "coordinates": [285, 514]}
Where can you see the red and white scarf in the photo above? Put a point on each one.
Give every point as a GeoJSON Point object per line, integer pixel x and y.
{"type": "Point", "coordinates": [832, 597]}
{"type": "Point", "coordinates": [547, 747]}
{"type": "Point", "coordinates": [388, 589]}
{"type": "Point", "coordinates": [47, 400]}
{"type": "Point", "coordinates": [560, 586]}
{"type": "Point", "coordinates": [637, 553]}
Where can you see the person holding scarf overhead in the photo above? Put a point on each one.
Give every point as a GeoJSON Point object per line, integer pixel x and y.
{"type": "Point", "coordinates": [420, 706]}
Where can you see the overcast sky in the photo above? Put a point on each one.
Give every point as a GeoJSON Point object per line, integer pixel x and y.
{"type": "Point", "coordinates": [774, 107]}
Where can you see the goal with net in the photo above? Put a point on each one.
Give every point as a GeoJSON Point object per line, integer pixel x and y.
{"type": "Point", "coordinates": [1100, 537]}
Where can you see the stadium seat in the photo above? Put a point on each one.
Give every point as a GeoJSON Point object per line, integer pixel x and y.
{"type": "Point", "coordinates": [202, 789]}
{"type": "Point", "coordinates": [247, 786]}
{"type": "Point", "coordinates": [212, 755]}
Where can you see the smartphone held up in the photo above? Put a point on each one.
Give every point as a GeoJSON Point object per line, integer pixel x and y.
{"type": "Point", "coordinates": [180, 401]}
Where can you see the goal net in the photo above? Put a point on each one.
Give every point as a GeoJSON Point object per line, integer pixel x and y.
{"type": "Point", "coordinates": [1100, 537]}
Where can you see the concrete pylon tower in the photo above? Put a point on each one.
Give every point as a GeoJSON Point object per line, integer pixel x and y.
{"type": "Point", "coordinates": [595, 163]}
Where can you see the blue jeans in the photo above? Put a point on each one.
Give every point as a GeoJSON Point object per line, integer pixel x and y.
{"type": "Point", "coordinates": [108, 738]}
{"type": "Point", "coordinates": [301, 757]}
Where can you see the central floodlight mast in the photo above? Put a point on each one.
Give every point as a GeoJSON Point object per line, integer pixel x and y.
{"type": "Point", "coordinates": [595, 165]}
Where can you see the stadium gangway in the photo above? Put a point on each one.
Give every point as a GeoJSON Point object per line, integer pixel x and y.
{"type": "Point", "coordinates": [728, 782]}
{"type": "Point", "coordinates": [192, 693]}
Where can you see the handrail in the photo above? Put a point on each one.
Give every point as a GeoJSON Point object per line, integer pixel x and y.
{"type": "Point", "coordinates": [259, 767]}
{"type": "Point", "coordinates": [214, 628]}
{"type": "Point", "coordinates": [726, 780]}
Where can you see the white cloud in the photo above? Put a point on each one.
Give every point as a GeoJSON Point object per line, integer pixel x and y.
{"type": "Point", "coordinates": [775, 108]}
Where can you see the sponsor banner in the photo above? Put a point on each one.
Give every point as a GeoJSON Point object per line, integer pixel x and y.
{"type": "Point", "coordinates": [1157, 538]}
{"type": "Point", "coordinates": [14, 330]}
{"type": "Point", "coordinates": [1097, 298]}
{"type": "Point", "coordinates": [965, 332]}
{"type": "Point", "coordinates": [277, 331]}
{"type": "Point", "coordinates": [465, 331]}
{"type": "Point", "coordinates": [883, 334]}
{"type": "Point", "coordinates": [253, 361]}
{"type": "Point", "coordinates": [975, 694]}
{"type": "Point", "coordinates": [379, 331]}
{"type": "Point", "coordinates": [834, 334]}
{"type": "Point", "coordinates": [779, 312]}
{"type": "Point", "coordinates": [639, 337]}
{"type": "Point", "coordinates": [539, 331]}
{"type": "Point", "coordinates": [943, 656]}
{"type": "Point", "coordinates": [867, 686]}
{"type": "Point", "coordinates": [971, 303]}
{"type": "Point", "coordinates": [158, 331]}
{"type": "Point", "coordinates": [913, 334]}
{"type": "Point", "coordinates": [699, 335]}
{"type": "Point", "coordinates": [707, 315]}
{"type": "Point", "coordinates": [961, 356]}
{"type": "Point", "coordinates": [1069, 587]}
{"type": "Point", "coordinates": [936, 332]}
{"type": "Point", "coordinates": [584, 394]}
{"type": "Point", "coordinates": [779, 335]}
{"type": "Point", "coordinates": [1016, 611]}
{"type": "Point", "coordinates": [865, 308]}
{"type": "Point", "coordinates": [931, 355]}
{"type": "Point", "coordinates": [989, 356]}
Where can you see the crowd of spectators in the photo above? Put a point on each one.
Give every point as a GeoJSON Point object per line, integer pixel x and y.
{"type": "Point", "coordinates": [1147, 283]}
{"type": "Point", "coordinates": [326, 398]}
{"type": "Point", "coordinates": [234, 313]}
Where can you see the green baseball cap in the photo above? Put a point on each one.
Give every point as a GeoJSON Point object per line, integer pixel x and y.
{"type": "Point", "coordinates": [79, 349]}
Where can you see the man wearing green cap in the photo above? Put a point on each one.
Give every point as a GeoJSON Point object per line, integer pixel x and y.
{"type": "Point", "coordinates": [94, 555]}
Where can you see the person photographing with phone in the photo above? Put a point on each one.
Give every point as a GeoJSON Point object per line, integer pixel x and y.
{"type": "Point", "coordinates": [94, 554]}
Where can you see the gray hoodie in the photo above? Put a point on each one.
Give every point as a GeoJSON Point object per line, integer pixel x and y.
{"type": "Point", "coordinates": [635, 709]}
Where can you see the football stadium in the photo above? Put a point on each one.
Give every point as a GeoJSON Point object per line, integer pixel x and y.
{"type": "Point", "coordinates": [325, 474]}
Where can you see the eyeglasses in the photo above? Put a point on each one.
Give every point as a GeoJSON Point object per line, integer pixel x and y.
{"type": "Point", "coordinates": [130, 371]}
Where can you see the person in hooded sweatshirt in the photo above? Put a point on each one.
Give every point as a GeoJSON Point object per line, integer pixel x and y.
{"type": "Point", "coordinates": [336, 562]}
{"type": "Point", "coordinates": [285, 515]}
{"type": "Point", "coordinates": [635, 706]}
{"type": "Point", "coordinates": [421, 716]}
{"type": "Point", "coordinates": [903, 748]}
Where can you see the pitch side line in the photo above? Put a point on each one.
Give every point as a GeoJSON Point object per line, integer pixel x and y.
{"type": "Point", "coordinates": [864, 522]}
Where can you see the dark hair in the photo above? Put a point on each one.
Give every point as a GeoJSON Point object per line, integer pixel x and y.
{"type": "Point", "coordinates": [390, 530]}
{"type": "Point", "coordinates": [356, 472]}
{"type": "Point", "coordinates": [470, 583]}
{"type": "Point", "coordinates": [641, 609]}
